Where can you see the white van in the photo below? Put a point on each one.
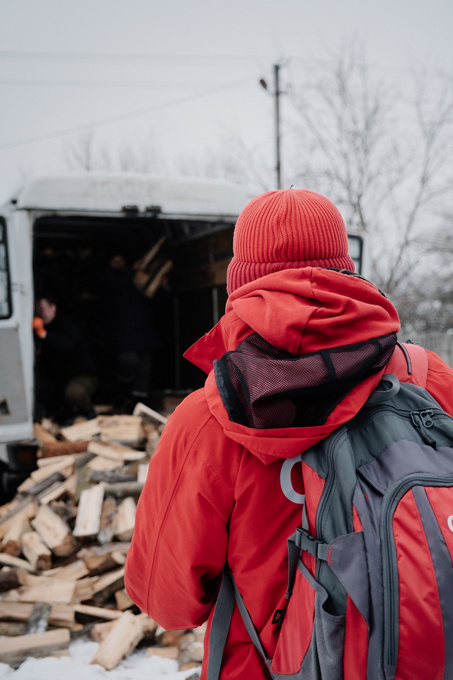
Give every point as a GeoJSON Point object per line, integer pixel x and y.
{"type": "Point", "coordinates": [60, 229]}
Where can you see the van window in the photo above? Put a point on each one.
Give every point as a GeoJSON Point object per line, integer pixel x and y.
{"type": "Point", "coordinates": [5, 297]}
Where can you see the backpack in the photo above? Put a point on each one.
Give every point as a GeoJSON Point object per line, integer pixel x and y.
{"type": "Point", "coordinates": [370, 587]}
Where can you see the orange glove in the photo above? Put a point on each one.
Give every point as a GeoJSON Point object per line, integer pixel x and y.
{"type": "Point", "coordinates": [38, 327]}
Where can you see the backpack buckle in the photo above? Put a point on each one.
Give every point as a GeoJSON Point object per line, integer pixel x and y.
{"type": "Point", "coordinates": [312, 545]}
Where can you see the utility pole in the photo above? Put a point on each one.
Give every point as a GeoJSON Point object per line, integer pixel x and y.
{"type": "Point", "coordinates": [276, 94]}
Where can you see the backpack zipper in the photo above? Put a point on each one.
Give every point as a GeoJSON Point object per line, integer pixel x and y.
{"type": "Point", "coordinates": [390, 585]}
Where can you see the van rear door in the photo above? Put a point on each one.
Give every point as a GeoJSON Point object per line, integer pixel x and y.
{"type": "Point", "coordinates": [16, 342]}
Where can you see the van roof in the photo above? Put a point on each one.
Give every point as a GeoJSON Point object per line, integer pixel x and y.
{"type": "Point", "coordinates": [115, 192]}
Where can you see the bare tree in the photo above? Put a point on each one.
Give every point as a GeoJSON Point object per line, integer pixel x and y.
{"type": "Point", "coordinates": [383, 158]}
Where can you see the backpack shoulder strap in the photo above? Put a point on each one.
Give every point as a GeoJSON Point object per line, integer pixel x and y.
{"type": "Point", "coordinates": [416, 362]}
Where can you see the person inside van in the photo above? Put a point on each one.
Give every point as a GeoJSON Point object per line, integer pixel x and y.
{"type": "Point", "coordinates": [66, 380]}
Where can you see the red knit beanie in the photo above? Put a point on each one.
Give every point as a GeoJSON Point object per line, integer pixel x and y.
{"type": "Point", "coordinates": [287, 229]}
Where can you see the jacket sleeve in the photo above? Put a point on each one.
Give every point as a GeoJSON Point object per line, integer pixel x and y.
{"type": "Point", "coordinates": [439, 382]}
{"type": "Point", "coordinates": [180, 539]}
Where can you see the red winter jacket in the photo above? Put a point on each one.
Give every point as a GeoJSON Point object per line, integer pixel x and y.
{"type": "Point", "coordinates": [213, 492]}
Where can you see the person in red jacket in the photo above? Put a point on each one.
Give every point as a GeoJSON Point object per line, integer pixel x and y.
{"type": "Point", "coordinates": [213, 491]}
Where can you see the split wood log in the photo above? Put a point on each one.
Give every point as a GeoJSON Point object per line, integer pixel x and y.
{"type": "Point", "coordinates": [57, 490]}
{"type": "Point", "coordinates": [84, 588]}
{"type": "Point", "coordinates": [147, 412]}
{"type": "Point", "coordinates": [190, 654]}
{"type": "Point", "coordinates": [12, 628]}
{"type": "Point", "coordinates": [61, 615]}
{"type": "Point", "coordinates": [120, 642]}
{"type": "Point", "coordinates": [107, 528]}
{"type": "Point", "coordinates": [36, 552]}
{"type": "Point", "coordinates": [51, 643]}
{"type": "Point", "coordinates": [11, 578]}
{"type": "Point", "coordinates": [54, 532]}
{"type": "Point", "coordinates": [88, 521]}
{"type": "Point", "coordinates": [96, 612]}
{"type": "Point", "coordinates": [100, 631]}
{"type": "Point", "coordinates": [125, 519]}
{"type": "Point", "coordinates": [102, 558]}
{"type": "Point", "coordinates": [142, 473]}
{"type": "Point", "coordinates": [11, 561]}
{"type": "Point", "coordinates": [115, 452]}
{"type": "Point", "coordinates": [111, 476]}
{"type": "Point", "coordinates": [107, 585]}
{"type": "Point", "coordinates": [45, 484]}
{"type": "Point", "coordinates": [39, 618]}
{"type": "Point", "coordinates": [55, 591]}
{"type": "Point", "coordinates": [43, 435]}
{"type": "Point", "coordinates": [168, 637]}
{"type": "Point", "coordinates": [28, 508]}
{"type": "Point", "coordinates": [122, 599]}
{"type": "Point", "coordinates": [73, 571]}
{"type": "Point", "coordinates": [123, 489]}
{"type": "Point", "coordinates": [54, 449]}
{"type": "Point", "coordinates": [12, 540]}
{"type": "Point", "coordinates": [82, 431]}
{"type": "Point", "coordinates": [65, 466]}
{"type": "Point", "coordinates": [124, 429]}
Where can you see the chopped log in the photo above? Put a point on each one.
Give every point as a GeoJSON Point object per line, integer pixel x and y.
{"type": "Point", "coordinates": [107, 585]}
{"type": "Point", "coordinates": [125, 518]}
{"type": "Point", "coordinates": [26, 508]}
{"type": "Point", "coordinates": [120, 642]}
{"type": "Point", "coordinates": [125, 429]}
{"type": "Point", "coordinates": [12, 628]}
{"type": "Point", "coordinates": [39, 618]}
{"type": "Point", "coordinates": [51, 643]}
{"type": "Point", "coordinates": [50, 450]}
{"type": "Point", "coordinates": [104, 463]}
{"type": "Point", "coordinates": [60, 614]}
{"type": "Point", "coordinates": [43, 435]}
{"type": "Point", "coordinates": [88, 521]}
{"type": "Point", "coordinates": [11, 561]}
{"type": "Point", "coordinates": [64, 465]}
{"type": "Point", "coordinates": [164, 652]}
{"type": "Point", "coordinates": [45, 484]}
{"type": "Point", "coordinates": [73, 571]}
{"type": "Point", "coordinates": [122, 489]}
{"type": "Point", "coordinates": [122, 599]}
{"type": "Point", "coordinates": [57, 490]}
{"type": "Point", "coordinates": [84, 588]}
{"type": "Point", "coordinates": [106, 531]}
{"type": "Point", "coordinates": [96, 612]}
{"type": "Point", "coordinates": [54, 531]}
{"type": "Point", "coordinates": [142, 473]}
{"type": "Point", "coordinates": [190, 654]}
{"type": "Point", "coordinates": [147, 412]}
{"type": "Point", "coordinates": [55, 591]}
{"type": "Point", "coordinates": [99, 559]}
{"type": "Point", "coordinates": [100, 630]}
{"type": "Point", "coordinates": [82, 431]}
{"type": "Point", "coordinates": [116, 452]}
{"type": "Point", "coordinates": [168, 637]}
{"type": "Point", "coordinates": [111, 476]}
{"type": "Point", "coordinates": [12, 540]}
{"type": "Point", "coordinates": [11, 578]}
{"type": "Point", "coordinates": [36, 552]}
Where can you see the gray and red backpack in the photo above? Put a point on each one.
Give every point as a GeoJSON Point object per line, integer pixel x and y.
{"type": "Point", "coordinates": [370, 587]}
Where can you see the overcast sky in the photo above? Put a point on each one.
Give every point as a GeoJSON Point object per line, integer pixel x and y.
{"type": "Point", "coordinates": [183, 75]}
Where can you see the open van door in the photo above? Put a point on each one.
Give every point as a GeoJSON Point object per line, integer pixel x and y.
{"type": "Point", "coordinates": [16, 341]}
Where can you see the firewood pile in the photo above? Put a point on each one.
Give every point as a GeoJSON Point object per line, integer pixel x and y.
{"type": "Point", "coordinates": [64, 539]}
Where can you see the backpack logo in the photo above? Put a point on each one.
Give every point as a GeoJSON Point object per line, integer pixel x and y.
{"type": "Point", "coordinates": [450, 522]}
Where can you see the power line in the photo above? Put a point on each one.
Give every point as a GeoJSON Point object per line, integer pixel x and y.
{"type": "Point", "coordinates": [137, 56]}
{"type": "Point", "coordinates": [124, 116]}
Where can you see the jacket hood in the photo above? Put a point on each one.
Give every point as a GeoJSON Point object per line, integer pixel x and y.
{"type": "Point", "coordinates": [296, 320]}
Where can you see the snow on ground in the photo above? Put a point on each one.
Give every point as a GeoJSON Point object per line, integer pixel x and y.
{"type": "Point", "coordinates": [77, 667]}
